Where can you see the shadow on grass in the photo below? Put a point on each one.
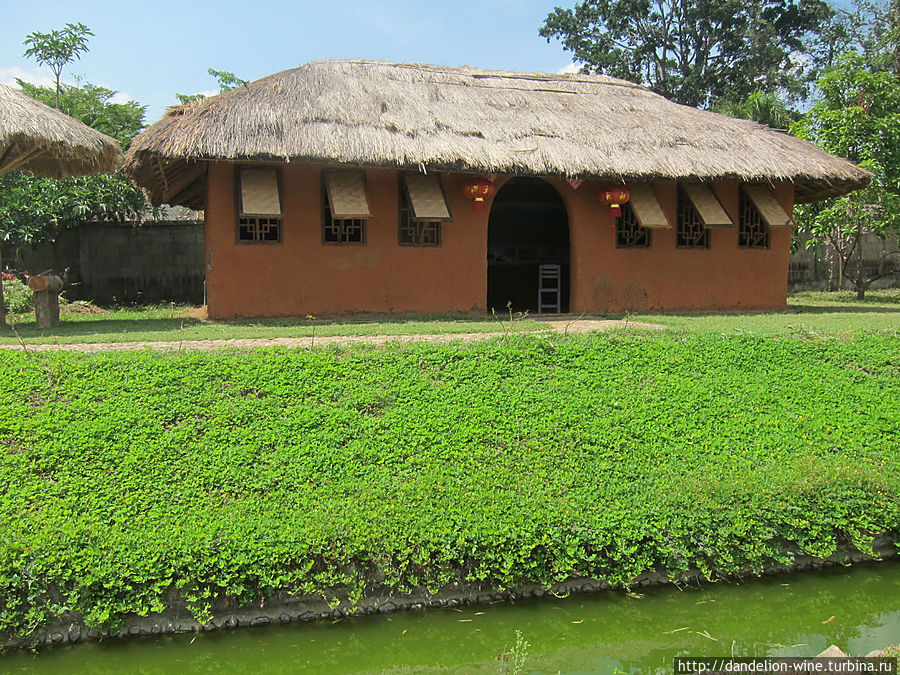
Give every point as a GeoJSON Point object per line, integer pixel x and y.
{"type": "Point", "coordinates": [100, 325]}
{"type": "Point", "coordinates": [842, 309]}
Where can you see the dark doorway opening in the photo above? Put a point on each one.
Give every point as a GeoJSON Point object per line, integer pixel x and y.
{"type": "Point", "coordinates": [528, 227]}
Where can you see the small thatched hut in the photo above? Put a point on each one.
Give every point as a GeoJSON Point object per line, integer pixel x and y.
{"type": "Point", "coordinates": [46, 142]}
{"type": "Point", "coordinates": [347, 186]}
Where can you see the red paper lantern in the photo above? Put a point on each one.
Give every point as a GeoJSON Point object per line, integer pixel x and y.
{"type": "Point", "coordinates": [614, 197]}
{"type": "Point", "coordinates": [479, 191]}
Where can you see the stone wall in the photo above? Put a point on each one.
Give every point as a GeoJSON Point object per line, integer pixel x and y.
{"type": "Point", "coordinates": [123, 263]}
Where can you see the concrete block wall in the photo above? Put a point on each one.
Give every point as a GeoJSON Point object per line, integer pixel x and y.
{"type": "Point", "coordinates": [817, 268]}
{"type": "Point", "coordinates": [122, 263]}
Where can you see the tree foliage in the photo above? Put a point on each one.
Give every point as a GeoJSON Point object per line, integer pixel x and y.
{"type": "Point", "coordinates": [693, 51]}
{"type": "Point", "coordinates": [92, 104]}
{"type": "Point", "coordinates": [857, 117]}
{"type": "Point", "coordinates": [227, 81]}
{"type": "Point", "coordinates": [58, 48]}
{"type": "Point", "coordinates": [34, 209]}
{"type": "Point", "coordinates": [768, 109]}
{"type": "Point", "coordinates": [871, 28]}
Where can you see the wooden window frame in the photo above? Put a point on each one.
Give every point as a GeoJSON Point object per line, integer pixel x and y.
{"type": "Point", "coordinates": [241, 220]}
{"type": "Point", "coordinates": [406, 221]}
{"type": "Point", "coordinates": [629, 232]}
{"type": "Point", "coordinates": [684, 207]}
{"type": "Point", "coordinates": [328, 221]}
{"type": "Point", "coordinates": [750, 219]}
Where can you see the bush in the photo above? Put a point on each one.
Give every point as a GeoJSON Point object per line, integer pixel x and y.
{"type": "Point", "coordinates": [18, 297]}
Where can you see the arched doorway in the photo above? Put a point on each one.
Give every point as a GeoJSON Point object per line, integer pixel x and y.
{"type": "Point", "coordinates": [528, 228]}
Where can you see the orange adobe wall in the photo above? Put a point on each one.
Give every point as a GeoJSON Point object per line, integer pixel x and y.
{"type": "Point", "coordinates": [663, 277]}
{"type": "Point", "coordinates": [302, 275]}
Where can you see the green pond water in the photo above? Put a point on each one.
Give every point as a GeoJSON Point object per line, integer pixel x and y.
{"type": "Point", "coordinates": [856, 608]}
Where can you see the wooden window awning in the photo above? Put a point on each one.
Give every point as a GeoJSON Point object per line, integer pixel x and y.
{"type": "Point", "coordinates": [769, 208]}
{"type": "Point", "coordinates": [259, 192]}
{"type": "Point", "coordinates": [346, 192]}
{"type": "Point", "coordinates": [646, 207]}
{"type": "Point", "coordinates": [426, 199]}
{"type": "Point", "coordinates": [711, 212]}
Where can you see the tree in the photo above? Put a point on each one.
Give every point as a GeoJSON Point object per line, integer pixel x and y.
{"type": "Point", "coordinates": [227, 81]}
{"type": "Point", "coordinates": [857, 117]}
{"type": "Point", "coordinates": [58, 48]}
{"type": "Point", "coordinates": [35, 209]}
{"type": "Point", "coordinates": [693, 51]}
{"type": "Point", "coordinates": [768, 109]}
{"type": "Point", "coordinates": [92, 105]}
{"type": "Point", "coordinates": [871, 28]}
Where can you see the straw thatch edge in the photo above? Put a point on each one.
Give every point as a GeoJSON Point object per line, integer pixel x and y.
{"type": "Point", "coordinates": [434, 118]}
{"type": "Point", "coordinates": [44, 141]}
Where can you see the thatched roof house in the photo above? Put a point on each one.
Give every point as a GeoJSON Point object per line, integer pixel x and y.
{"type": "Point", "coordinates": [46, 142]}
{"type": "Point", "coordinates": [43, 141]}
{"type": "Point", "coordinates": [340, 152]}
{"type": "Point", "coordinates": [413, 116]}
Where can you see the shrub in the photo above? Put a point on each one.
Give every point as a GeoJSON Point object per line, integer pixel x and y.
{"type": "Point", "coordinates": [18, 297]}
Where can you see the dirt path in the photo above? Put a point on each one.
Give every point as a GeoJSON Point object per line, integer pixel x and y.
{"type": "Point", "coordinates": [561, 325]}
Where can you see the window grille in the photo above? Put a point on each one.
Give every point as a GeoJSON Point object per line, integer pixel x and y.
{"type": "Point", "coordinates": [629, 233]}
{"type": "Point", "coordinates": [416, 232]}
{"type": "Point", "coordinates": [690, 230]}
{"type": "Point", "coordinates": [259, 229]}
{"type": "Point", "coordinates": [341, 230]}
{"type": "Point", "coordinates": [753, 232]}
{"type": "Point", "coordinates": [258, 205]}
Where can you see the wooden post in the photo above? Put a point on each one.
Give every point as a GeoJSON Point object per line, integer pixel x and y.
{"type": "Point", "coordinates": [46, 299]}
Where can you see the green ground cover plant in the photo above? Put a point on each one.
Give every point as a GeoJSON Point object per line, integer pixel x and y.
{"type": "Point", "coordinates": [129, 477]}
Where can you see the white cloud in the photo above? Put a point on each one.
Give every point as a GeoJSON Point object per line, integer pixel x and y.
{"type": "Point", "coordinates": [569, 69]}
{"type": "Point", "coordinates": [121, 97]}
{"type": "Point", "coordinates": [209, 92]}
{"type": "Point", "coordinates": [9, 74]}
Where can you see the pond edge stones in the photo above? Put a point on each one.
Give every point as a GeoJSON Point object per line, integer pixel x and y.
{"type": "Point", "coordinates": [289, 609]}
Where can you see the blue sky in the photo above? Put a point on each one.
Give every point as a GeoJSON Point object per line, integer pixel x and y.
{"type": "Point", "coordinates": [151, 50]}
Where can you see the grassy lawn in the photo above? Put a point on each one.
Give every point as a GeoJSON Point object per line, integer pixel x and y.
{"type": "Point", "coordinates": [130, 476]}
{"type": "Point", "coordinates": [812, 312]}
{"type": "Point", "coordinates": [809, 312]}
{"type": "Point", "coordinates": [174, 322]}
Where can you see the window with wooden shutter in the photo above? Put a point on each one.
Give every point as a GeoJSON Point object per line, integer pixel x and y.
{"type": "Point", "coordinates": [259, 205]}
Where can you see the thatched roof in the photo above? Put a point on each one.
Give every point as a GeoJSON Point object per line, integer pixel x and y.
{"type": "Point", "coordinates": [44, 141]}
{"type": "Point", "coordinates": [461, 119]}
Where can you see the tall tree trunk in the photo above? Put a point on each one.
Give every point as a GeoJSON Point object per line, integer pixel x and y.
{"type": "Point", "coordinates": [894, 39]}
